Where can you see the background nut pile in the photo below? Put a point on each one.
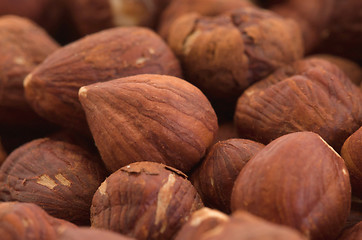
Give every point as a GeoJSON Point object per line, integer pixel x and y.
{"type": "Point", "coordinates": [180, 119]}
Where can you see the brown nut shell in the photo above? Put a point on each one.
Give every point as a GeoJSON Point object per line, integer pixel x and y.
{"type": "Point", "coordinates": [19, 221]}
{"type": "Point", "coordinates": [201, 221]}
{"type": "Point", "coordinates": [58, 176]}
{"type": "Point", "coordinates": [309, 95]}
{"type": "Point", "coordinates": [178, 8]}
{"type": "Point", "coordinates": [214, 178]}
{"type": "Point", "coordinates": [66, 233]}
{"type": "Point", "coordinates": [23, 45]}
{"type": "Point", "coordinates": [353, 233]}
{"type": "Point", "coordinates": [352, 155]}
{"type": "Point", "coordinates": [149, 118]}
{"type": "Point", "coordinates": [297, 180]}
{"type": "Point", "coordinates": [244, 226]}
{"type": "Point", "coordinates": [144, 200]}
{"type": "Point", "coordinates": [223, 55]}
{"type": "Point", "coordinates": [52, 88]}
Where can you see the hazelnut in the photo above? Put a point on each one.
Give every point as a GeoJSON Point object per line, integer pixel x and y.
{"type": "Point", "coordinates": [66, 233]}
{"type": "Point", "coordinates": [213, 225]}
{"type": "Point", "coordinates": [297, 180]}
{"type": "Point", "coordinates": [149, 118]}
{"type": "Point", "coordinates": [313, 17]}
{"type": "Point", "coordinates": [350, 68]}
{"type": "Point", "coordinates": [144, 200]}
{"type": "Point", "coordinates": [58, 176]}
{"type": "Point", "coordinates": [354, 233]}
{"type": "Point", "coordinates": [223, 55]}
{"type": "Point", "coordinates": [352, 155]}
{"type": "Point", "coordinates": [23, 45]}
{"type": "Point", "coordinates": [52, 88]}
{"type": "Point", "coordinates": [94, 15]}
{"type": "Point", "coordinates": [28, 221]}
{"type": "Point", "coordinates": [215, 177]}
{"type": "Point", "coordinates": [177, 8]}
{"type": "Point", "coordinates": [201, 221]}
{"type": "Point", "coordinates": [308, 95]}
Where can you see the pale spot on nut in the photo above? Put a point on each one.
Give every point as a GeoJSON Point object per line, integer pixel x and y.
{"type": "Point", "coordinates": [189, 42]}
{"type": "Point", "coordinates": [63, 180]}
{"type": "Point", "coordinates": [205, 214]}
{"type": "Point", "coordinates": [83, 92]}
{"type": "Point", "coordinates": [102, 189]}
{"type": "Point", "coordinates": [151, 51]}
{"type": "Point", "coordinates": [19, 60]}
{"type": "Point", "coordinates": [163, 200]}
{"type": "Point", "coordinates": [46, 181]}
{"type": "Point", "coordinates": [27, 80]}
{"type": "Point", "coordinates": [329, 146]}
{"type": "Point", "coordinates": [344, 171]}
{"type": "Point", "coordinates": [141, 61]}
{"type": "Point", "coordinates": [130, 13]}
{"type": "Point", "coordinates": [212, 182]}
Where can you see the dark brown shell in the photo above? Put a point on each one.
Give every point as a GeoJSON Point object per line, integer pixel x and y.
{"type": "Point", "coordinates": [309, 95]}
{"type": "Point", "coordinates": [95, 15]}
{"type": "Point", "coordinates": [3, 154]}
{"type": "Point", "coordinates": [214, 178]}
{"type": "Point", "coordinates": [58, 176]}
{"type": "Point", "coordinates": [352, 155]}
{"type": "Point", "coordinates": [225, 54]}
{"type": "Point", "coordinates": [20, 221]}
{"type": "Point", "coordinates": [200, 222]}
{"type": "Point", "coordinates": [178, 8]}
{"type": "Point", "coordinates": [144, 200]}
{"type": "Point", "coordinates": [149, 118]}
{"type": "Point", "coordinates": [52, 88]}
{"type": "Point", "coordinates": [23, 45]}
{"type": "Point", "coordinates": [297, 180]}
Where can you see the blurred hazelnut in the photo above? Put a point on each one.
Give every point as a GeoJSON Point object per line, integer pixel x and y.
{"type": "Point", "coordinates": [308, 95]}
{"type": "Point", "coordinates": [58, 176]}
{"type": "Point", "coordinates": [28, 221]}
{"type": "Point", "coordinates": [149, 118]}
{"type": "Point", "coordinates": [52, 88]}
{"type": "Point", "coordinates": [354, 233]}
{"type": "Point", "coordinates": [23, 45]}
{"type": "Point", "coordinates": [226, 130]}
{"type": "Point", "coordinates": [215, 177]}
{"type": "Point", "coordinates": [225, 54]}
{"type": "Point", "coordinates": [297, 180]}
{"type": "Point", "coordinates": [352, 155]}
{"type": "Point", "coordinates": [144, 200]}
{"type": "Point", "coordinates": [66, 233]}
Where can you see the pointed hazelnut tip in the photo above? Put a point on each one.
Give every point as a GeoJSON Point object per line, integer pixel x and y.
{"type": "Point", "coordinates": [27, 80]}
{"type": "Point", "coordinates": [83, 92]}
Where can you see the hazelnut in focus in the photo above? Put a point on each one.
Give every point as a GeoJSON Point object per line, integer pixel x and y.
{"type": "Point", "coordinates": [223, 55]}
{"type": "Point", "coordinates": [149, 118]}
{"type": "Point", "coordinates": [144, 200]}
{"type": "Point", "coordinates": [308, 95]}
{"type": "Point", "coordinates": [215, 177]}
{"type": "Point", "coordinates": [52, 88]}
{"type": "Point", "coordinates": [297, 180]}
{"type": "Point", "coordinates": [58, 176]}
{"type": "Point", "coordinates": [352, 155]}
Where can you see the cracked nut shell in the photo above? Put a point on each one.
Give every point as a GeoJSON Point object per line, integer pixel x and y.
{"type": "Point", "coordinates": [352, 155]}
{"type": "Point", "coordinates": [52, 88]}
{"type": "Point", "coordinates": [215, 177]}
{"type": "Point", "coordinates": [59, 177]}
{"type": "Point", "coordinates": [144, 200]}
{"type": "Point", "coordinates": [149, 118]}
{"type": "Point", "coordinates": [308, 95]}
{"type": "Point", "coordinates": [297, 180]}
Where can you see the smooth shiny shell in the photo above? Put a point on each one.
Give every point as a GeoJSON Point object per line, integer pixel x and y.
{"type": "Point", "coordinates": [20, 221]}
{"type": "Point", "coordinates": [59, 177]}
{"type": "Point", "coordinates": [297, 180]}
{"type": "Point", "coordinates": [308, 95]}
{"type": "Point", "coordinates": [214, 178]}
{"type": "Point", "coordinates": [52, 88]}
{"type": "Point", "coordinates": [144, 200]}
{"type": "Point", "coordinates": [352, 155]}
{"type": "Point", "coordinates": [149, 118]}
